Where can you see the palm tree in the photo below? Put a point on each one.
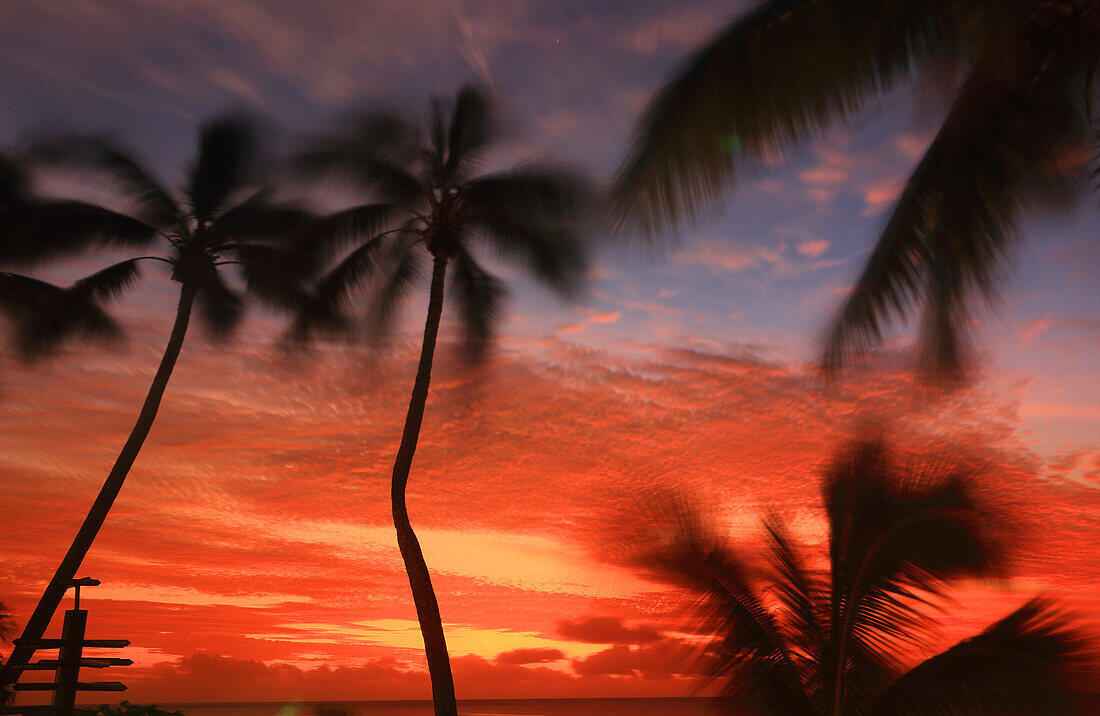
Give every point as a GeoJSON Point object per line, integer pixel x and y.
{"type": "Point", "coordinates": [808, 644]}
{"type": "Point", "coordinates": [787, 70]}
{"type": "Point", "coordinates": [221, 222]}
{"type": "Point", "coordinates": [442, 208]}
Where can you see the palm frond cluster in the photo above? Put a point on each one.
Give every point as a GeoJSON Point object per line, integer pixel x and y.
{"type": "Point", "coordinates": [793, 638]}
{"type": "Point", "coordinates": [430, 187]}
{"type": "Point", "coordinates": [1016, 138]}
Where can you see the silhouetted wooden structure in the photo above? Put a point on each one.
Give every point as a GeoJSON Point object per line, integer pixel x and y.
{"type": "Point", "coordinates": [69, 662]}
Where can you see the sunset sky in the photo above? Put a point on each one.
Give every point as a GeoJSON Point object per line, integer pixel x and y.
{"type": "Point", "coordinates": [251, 556]}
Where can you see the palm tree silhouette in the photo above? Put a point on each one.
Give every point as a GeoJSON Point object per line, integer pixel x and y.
{"type": "Point", "coordinates": [787, 70]}
{"type": "Point", "coordinates": [223, 222]}
{"type": "Point", "coordinates": [811, 644]}
{"type": "Point", "coordinates": [34, 230]}
{"type": "Point", "coordinates": [431, 188]}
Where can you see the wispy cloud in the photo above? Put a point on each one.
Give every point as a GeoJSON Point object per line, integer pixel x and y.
{"type": "Point", "coordinates": [594, 319]}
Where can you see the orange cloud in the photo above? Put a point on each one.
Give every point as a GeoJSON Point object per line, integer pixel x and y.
{"type": "Point", "coordinates": [595, 318]}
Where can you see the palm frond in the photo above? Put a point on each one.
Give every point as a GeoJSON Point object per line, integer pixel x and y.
{"type": "Point", "coordinates": [255, 220]}
{"type": "Point", "coordinates": [389, 135]}
{"type": "Point", "coordinates": [46, 316]}
{"type": "Point", "coordinates": [536, 214]}
{"type": "Point", "coordinates": [15, 182]}
{"type": "Point", "coordinates": [804, 600]}
{"type": "Point", "coordinates": [21, 296]}
{"type": "Point", "coordinates": [110, 282]}
{"type": "Point", "coordinates": [435, 154]}
{"type": "Point", "coordinates": [480, 298]}
{"type": "Point", "coordinates": [314, 319]}
{"type": "Point", "coordinates": [774, 78]}
{"type": "Point", "coordinates": [401, 265]}
{"type": "Point", "coordinates": [155, 205]}
{"type": "Point", "coordinates": [274, 274]}
{"type": "Point", "coordinates": [896, 533]}
{"type": "Point", "coordinates": [999, 152]}
{"type": "Point", "coordinates": [750, 649]}
{"type": "Point", "coordinates": [220, 307]}
{"type": "Point", "coordinates": [920, 523]}
{"type": "Point", "coordinates": [42, 230]}
{"type": "Point", "coordinates": [325, 238]}
{"type": "Point", "coordinates": [469, 133]}
{"type": "Point", "coordinates": [323, 310]}
{"type": "Point", "coordinates": [227, 148]}
{"type": "Point", "coordinates": [1034, 661]}
{"type": "Point", "coordinates": [351, 162]}
{"type": "Point", "coordinates": [352, 273]}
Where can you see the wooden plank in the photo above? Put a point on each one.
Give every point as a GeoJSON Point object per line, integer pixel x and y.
{"type": "Point", "coordinates": [80, 686]}
{"type": "Point", "coordinates": [88, 662]}
{"type": "Point", "coordinates": [106, 643]}
{"type": "Point", "coordinates": [42, 665]}
{"type": "Point", "coordinates": [95, 662]}
{"type": "Point", "coordinates": [39, 643]}
{"type": "Point", "coordinates": [35, 710]}
{"type": "Point", "coordinates": [88, 643]}
{"type": "Point", "coordinates": [43, 686]}
{"type": "Point", "coordinates": [100, 686]}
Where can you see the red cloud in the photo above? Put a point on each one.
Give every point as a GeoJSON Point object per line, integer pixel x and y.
{"type": "Point", "coordinates": [607, 630]}
{"type": "Point", "coordinates": [530, 656]}
{"type": "Point", "coordinates": [664, 659]}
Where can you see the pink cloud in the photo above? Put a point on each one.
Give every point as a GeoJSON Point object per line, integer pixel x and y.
{"type": "Point", "coordinates": [912, 146]}
{"type": "Point", "coordinates": [813, 248]}
{"type": "Point", "coordinates": [877, 196]}
{"type": "Point", "coordinates": [594, 319]}
{"type": "Point", "coordinates": [1031, 330]}
{"type": "Point", "coordinates": [824, 175]}
{"type": "Point", "coordinates": [730, 257]}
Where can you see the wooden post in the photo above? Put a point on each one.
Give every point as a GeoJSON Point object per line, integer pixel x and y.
{"type": "Point", "coordinates": [68, 668]}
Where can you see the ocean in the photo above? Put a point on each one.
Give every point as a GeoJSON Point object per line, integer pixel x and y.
{"type": "Point", "coordinates": [496, 707]}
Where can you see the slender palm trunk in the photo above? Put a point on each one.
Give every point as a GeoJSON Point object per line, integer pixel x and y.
{"type": "Point", "coordinates": [427, 608]}
{"type": "Point", "coordinates": [55, 591]}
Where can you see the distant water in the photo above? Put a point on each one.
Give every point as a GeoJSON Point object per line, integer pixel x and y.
{"type": "Point", "coordinates": [496, 707]}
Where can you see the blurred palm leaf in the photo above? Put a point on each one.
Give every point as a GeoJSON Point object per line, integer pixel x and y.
{"type": "Point", "coordinates": [226, 156]}
{"type": "Point", "coordinates": [46, 315]}
{"type": "Point", "coordinates": [1036, 660]}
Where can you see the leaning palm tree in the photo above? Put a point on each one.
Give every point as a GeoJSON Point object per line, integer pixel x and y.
{"type": "Point", "coordinates": [435, 205]}
{"type": "Point", "coordinates": [791, 640]}
{"type": "Point", "coordinates": [787, 70]}
{"type": "Point", "coordinates": [220, 221]}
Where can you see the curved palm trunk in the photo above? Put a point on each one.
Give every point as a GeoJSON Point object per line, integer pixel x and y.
{"type": "Point", "coordinates": [427, 608]}
{"type": "Point", "coordinates": [55, 591]}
